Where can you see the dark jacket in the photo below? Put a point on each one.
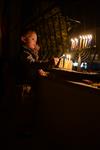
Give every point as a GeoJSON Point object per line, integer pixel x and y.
{"type": "Point", "coordinates": [27, 65]}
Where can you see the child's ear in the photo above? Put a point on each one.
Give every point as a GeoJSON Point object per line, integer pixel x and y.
{"type": "Point", "coordinates": [23, 39]}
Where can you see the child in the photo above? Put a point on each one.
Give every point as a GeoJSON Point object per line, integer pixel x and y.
{"type": "Point", "coordinates": [28, 66]}
{"type": "Point", "coordinates": [29, 69]}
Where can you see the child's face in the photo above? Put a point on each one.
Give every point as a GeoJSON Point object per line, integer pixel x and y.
{"type": "Point", "coordinates": [30, 40]}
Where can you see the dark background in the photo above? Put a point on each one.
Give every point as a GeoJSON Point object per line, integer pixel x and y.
{"type": "Point", "coordinates": [14, 15]}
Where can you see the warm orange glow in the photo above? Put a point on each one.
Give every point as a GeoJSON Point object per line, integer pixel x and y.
{"type": "Point", "coordinates": [83, 41]}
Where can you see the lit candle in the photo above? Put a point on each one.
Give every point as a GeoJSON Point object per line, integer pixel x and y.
{"type": "Point", "coordinates": [72, 43]}
{"type": "Point", "coordinates": [83, 42]}
{"type": "Point", "coordinates": [90, 39]}
{"type": "Point", "coordinates": [80, 41]}
{"type": "Point", "coordinates": [76, 42]}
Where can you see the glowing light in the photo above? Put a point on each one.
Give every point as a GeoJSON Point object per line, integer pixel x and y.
{"type": "Point", "coordinates": [68, 56]}
{"type": "Point", "coordinates": [75, 64]}
{"type": "Point", "coordinates": [83, 41]}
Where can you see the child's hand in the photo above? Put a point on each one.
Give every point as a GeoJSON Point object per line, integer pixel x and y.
{"type": "Point", "coordinates": [41, 72]}
{"type": "Point", "coordinates": [56, 60]}
{"type": "Point", "coordinates": [37, 47]}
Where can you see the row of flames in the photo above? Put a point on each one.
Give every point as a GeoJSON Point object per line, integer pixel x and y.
{"type": "Point", "coordinates": [66, 62]}
{"type": "Point", "coordinates": [83, 41]}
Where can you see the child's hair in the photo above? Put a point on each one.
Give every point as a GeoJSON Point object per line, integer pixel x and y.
{"type": "Point", "coordinates": [27, 32]}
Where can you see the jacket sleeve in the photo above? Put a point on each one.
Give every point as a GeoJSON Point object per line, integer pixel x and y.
{"type": "Point", "coordinates": [30, 67]}
{"type": "Point", "coordinates": [28, 59]}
